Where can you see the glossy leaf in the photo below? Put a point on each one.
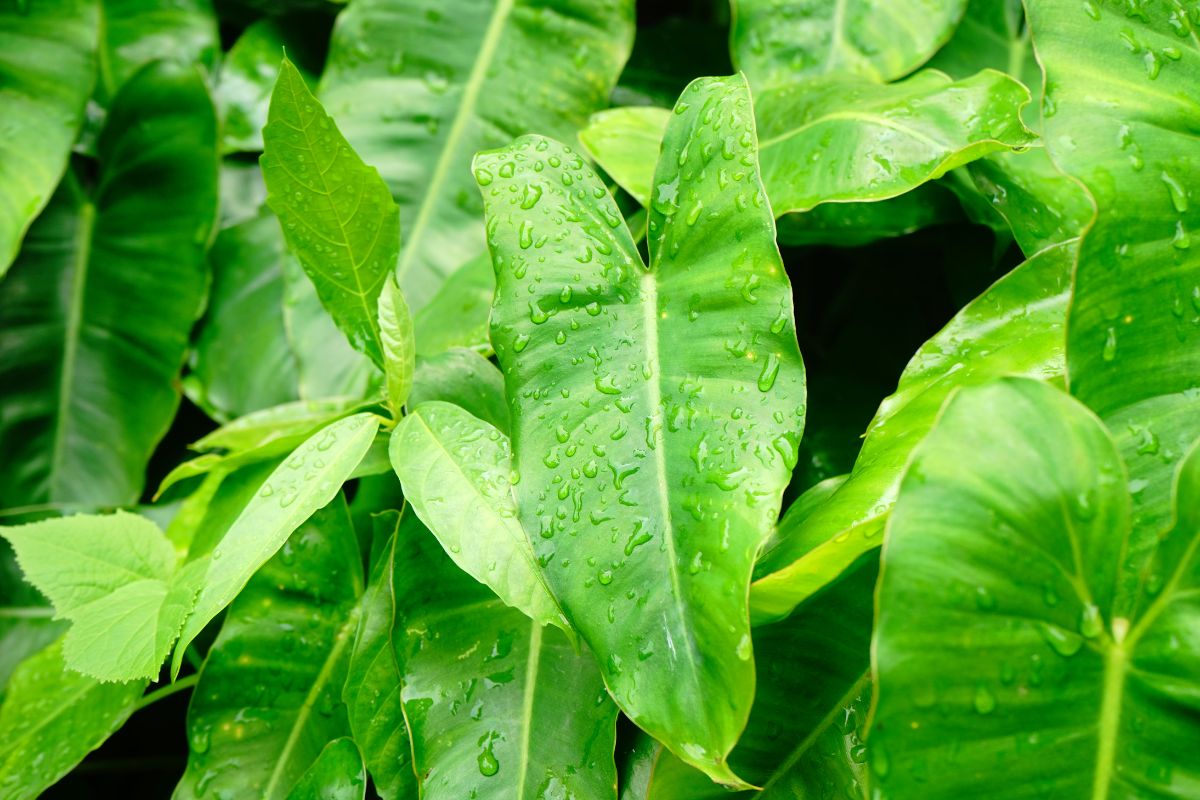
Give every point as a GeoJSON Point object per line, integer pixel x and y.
{"type": "Point", "coordinates": [337, 215]}
{"type": "Point", "coordinates": [306, 481]}
{"type": "Point", "coordinates": [269, 697]}
{"type": "Point", "coordinates": [656, 411]}
{"type": "Point", "coordinates": [138, 32]}
{"type": "Point", "coordinates": [337, 774]}
{"type": "Point", "coordinates": [781, 41]}
{"type": "Point", "coordinates": [498, 705]}
{"type": "Point", "coordinates": [1015, 328]}
{"type": "Point", "coordinates": [47, 68]}
{"type": "Point", "coordinates": [626, 143]}
{"type": "Point", "coordinates": [399, 347]}
{"type": "Point", "coordinates": [419, 86]}
{"type": "Point", "coordinates": [97, 310]}
{"type": "Point", "coordinates": [51, 718]}
{"type": "Point", "coordinates": [1005, 640]}
{"type": "Point", "coordinates": [466, 379]}
{"type": "Point", "coordinates": [373, 678]}
{"type": "Point", "coordinates": [456, 473]}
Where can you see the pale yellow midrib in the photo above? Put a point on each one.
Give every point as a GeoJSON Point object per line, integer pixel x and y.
{"type": "Point", "coordinates": [531, 672]}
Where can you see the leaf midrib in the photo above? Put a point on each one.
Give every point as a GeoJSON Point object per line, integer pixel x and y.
{"type": "Point", "coordinates": [531, 672]}
{"type": "Point", "coordinates": [466, 107]}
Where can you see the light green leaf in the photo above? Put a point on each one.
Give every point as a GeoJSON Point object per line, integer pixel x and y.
{"type": "Point", "coordinates": [457, 314]}
{"type": "Point", "coordinates": [1124, 126]}
{"type": "Point", "coordinates": [51, 718]}
{"type": "Point", "coordinates": [373, 678]}
{"type": "Point", "coordinates": [466, 379]}
{"type": "Point", "coordinates": [47, 68]}
{"type": "Point", "coordinates": [498, 705]}
{"type": "Point", "coordinates": [456, 471]}
{"type": "Point", "coordinates": [136, 32]}
{"type": "Point", "coordinates": [657, 408]}
{"type": "Point", "coordinates": [336, 212]}
{"type": "Point", "coordinates": [114, 578]}
{"type": "Point", "coordinates": [781, 41]}
{"type": "Point", "coordinates": [419, 88]}
{"type": "Point", "coordinates": [1015, 328]}
{"type": "Point", "coordinates": [268, 700]}
{"type": "Point", "coordinates": [95, 314]}
{"type": "Point", "coordinates": [1005, 641]}
{"type": "Point", "coordinates": [337, 774]}
{"type": "Point", "coordinates": [626, 143]}
{"type": "Point", "coordinates": [307, 480]}
{"type": "Point", "coordinates": [399, 347]}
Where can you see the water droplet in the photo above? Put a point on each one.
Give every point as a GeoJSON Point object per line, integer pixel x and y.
{"type": "Point", "coordinates": [1110, 345]}
{"type": "Point", "coordinates": [1178, 192]}
{"type": "Point", "coordinates": [770, 370]}
{"type": "Point", "coordinates": [984, 702]}
{"type": "Point", "coordinates": [1090, 623]}
{"type": "Point", "coordinates": [488, 765]}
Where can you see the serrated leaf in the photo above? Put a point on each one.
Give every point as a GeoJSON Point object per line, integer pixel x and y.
{"type": "Point", "coordinates": [337, 214]}
{"type": "Point", "coordinates": [399, 347]}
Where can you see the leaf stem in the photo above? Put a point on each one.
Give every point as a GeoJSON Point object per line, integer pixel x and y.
{"type": "Point", "coordinates": [168, 690]}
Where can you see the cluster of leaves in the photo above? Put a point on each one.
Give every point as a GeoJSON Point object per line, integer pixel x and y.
{"type": "Point", "coordinates": [493, 365]}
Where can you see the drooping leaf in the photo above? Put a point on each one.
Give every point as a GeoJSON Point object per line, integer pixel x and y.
{"type": "Point", "coordinates": [95, 314]}
{"type": "Point", "coordinates": [138, 32]}
{"type": "Point", "coordinates": [1005, 641]}
{"type": "Point", "coordinates": [306, 481]}
{"type": "Point", "coordinates": [337, 774]}
{"type": "Point", "coordinates": [269, 697]}
{"type": "Point", "coordinates": [373, 678]}
{"type": "Point", "coordinates": [499, 706]}
{"type": "Point", "coordinates": [656, 411]}
{"type": "Point", "coordinates": [419, 86]}
{"type": "Point", "coordinates": [47, 68]}
{"type": "Point", "coordinates": [399, 347]}
{"type": "Point", "coordinates": [466, 379]}
{"type": "Point", "coordinates": [115, 578]}
{"type": "Point", "coordinates": [457, 314]}
{"type": "Point", "coordinates": [456, 471]}
{"type": "Point", "coordinates": [337, 214]}
{"type": "Point", "coordinates": [782, 41]}
{"type": "Point", "coordinates": [1015, 328]}
{"type": "Point", "coordinates": [1125, 127]}
{"type": "Point", "coordinates": [51, 718]}
{"type": "Point", "coordinates": [241, 360]}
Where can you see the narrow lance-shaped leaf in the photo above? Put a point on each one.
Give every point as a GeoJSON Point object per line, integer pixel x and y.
{"type": "Point", "coordinates": [456, 471]}
{"type": "Point", "coordinates": [307, 480]}
{"type": "Point", "coordinates": [782, 41]}
{"type": "Point", "coordinates": [337, 214]}
{"type": "Point", "coordinates": [1015, 328]}
{"type": "Point", "coordinates": [47, 68]}
{"type": "Point", "coordinates": [419, 86]}
{"type": "Point", "coordinates": [656, 411]}
{"type": "Point", "coordinates": [95, 315]}
{"type": "Point", "coordinates": [269, 696]}
{"type": "Point", "coordinates": [399, 347]}
{"type": "Point", "coordinates": [1003, 642]}
{"type": "Point", "coordinates": [499, 706]}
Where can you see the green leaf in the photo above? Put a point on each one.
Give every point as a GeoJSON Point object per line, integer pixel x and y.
{"type": "Point", "coordinates": [97, 310]}
{"type": "Point", "coordinates": [336, 212]}
{"type": "Point", "coordinates": [1005, 640]}
{"type": "Point", "coordinates": [457, 314]}
{"type": "Point", "coordinates": [51, 718]}
{"type": "Point", "coordinates": [857, 224]}
{"type": "Point", "coordinates": [626, 143]}
{"type": "Point", "coordinates": [337, 774]}
{"type": "Point", "coordinates": [399, 347]}
{"type": "Point", "coordinates": [47, 68]}
{"type": "Point", "coordinates": [418, 90]}
{"type": "Point", "coordinates": [1124, 128]}
{"type": "Point", "coordinates": [373, 678]}
{"type": "Point", "coordinates": [1015, 328]}
{"type": "Point", "coordinates": [241, 360]}
{"type": "Point", "coordinates": [659, 409]}
{"type": "Point", "coordinates": [498, 705]}
{"type": "Point", "coordinates": [137, 32]}
{"type": "Point", "coordinates": [307, 480]}
{"type": "Point", "coordinates": [27, 621]}
{"type": "Point", "coordinates": [268, 700]}
{"type": "Point", "coordinates": [114, 578]}
{"type": "Point", "coordinates": [780, 41]}
{"type": "Point", "coordinates": [466, 379]}
{"type": "Point", "coordinates": [456, 471]}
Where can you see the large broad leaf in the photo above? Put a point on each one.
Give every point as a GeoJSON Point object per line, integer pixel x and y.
{"type": "Point", "coordinates": [306, 481]}
{"type": "Point", "coordinates": [51, 718]}
{"type": "Point", "coordinates": [97, 310]}
{"type": "Point", "coordinates": [656, 411]}
{"type": "Point", "coordinates": [47, 70]}
{"type": "Point", "coordinates": [1005, 645]}
{"type": "Point", "coordinates": [498, 706]}
{"type": "Point", "coordinates": [241, 360]}
{"type": "Point", "coordinates": [137, 32]}
{"type": "Point", "coordinates": [337, 215]}
{"type": "Point", "coordinates": [419, 86]}
{"type": "Point", "coordinates": [456, 471]}
{"type": "Point", "coordinates": [269, 697]}
{"type": "Point", "coordinates": [781, 41]}
{"type": "Point", "coordinates": [1016, 327]}
{"type": "Point", "coordinates": [1125, 126]}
